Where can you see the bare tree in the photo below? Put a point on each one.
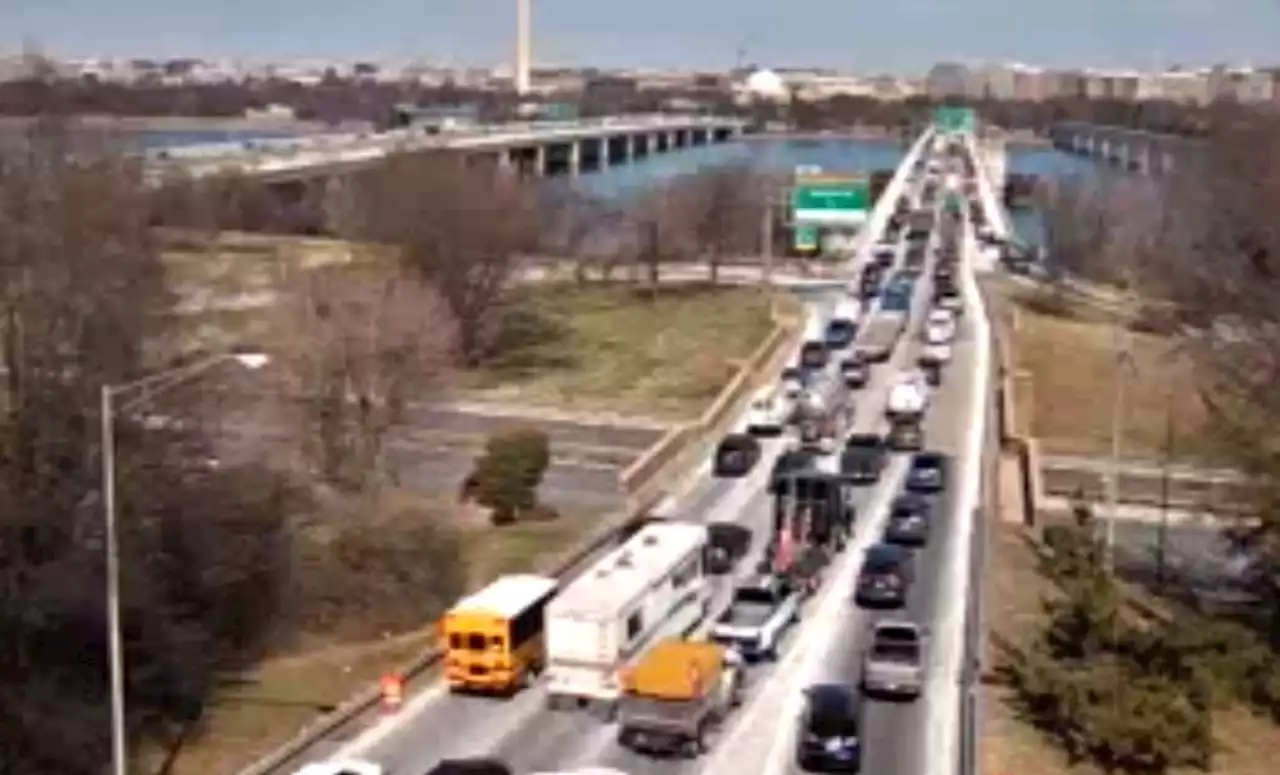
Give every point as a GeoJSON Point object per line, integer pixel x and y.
{"type": "Point", "coordinates": [725, 204]}
{"type": "Point", "coordinates": [463, 231]}
{"type": "Point", "coordinates": [658, 231]}
{"type": "Point", "coordinates": [581, 229]}
{"type": "Point", "coordinates": [359, 346]}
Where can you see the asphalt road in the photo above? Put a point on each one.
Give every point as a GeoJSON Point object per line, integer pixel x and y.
{"type": "Point", "coordinates": [561, 432]}
{"type": "Point", "coordinates": [564, 485]}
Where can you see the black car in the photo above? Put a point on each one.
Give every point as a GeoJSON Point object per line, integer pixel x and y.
{"type": "Point", "coordinates": [840, 333]}
{"type": "Point", "coordinates": [727, 544]}
{"type": "Point", "coordinates": [470, 767]}
{"type": "Point", "coordinates": [855, 371]}
{"type": "Point", "coordinates": [736, 455]}
{"type": "Point", "coordinates": [863, 458]}
{"type": "Point", "coordinates": [906, 436]}
{"type": "Point", "coordinates": [944, 272]}
{"type": "Point", "coordinates": [887, 573]}
{"type": "Point", "coordinates": [928, 473]}
{"type": "Point", "coordinates": [909, 519]}
{"type": "Point", "coordinates": [830, 734]}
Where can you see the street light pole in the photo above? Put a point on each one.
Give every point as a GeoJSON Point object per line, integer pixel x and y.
{"type": "Point", "coordinates": [1120, 346]}
{"type": "Point", "coordinates": [114, 645]}
{"type": "Point", "coordinates": [148, 386]}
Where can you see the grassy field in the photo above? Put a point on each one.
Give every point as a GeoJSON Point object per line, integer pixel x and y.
{"type": "Point", "coordinates": [1014, 589]}
{"type": "Point", "coordinates": [1069, 356]}
{"type": "Point", "coordinates": [612, 349]}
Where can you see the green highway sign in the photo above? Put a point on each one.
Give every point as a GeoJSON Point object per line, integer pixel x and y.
{"type": "Point", "coordinates": [955, 120]}
{"type": "Point", "coordinates": [830, 201]}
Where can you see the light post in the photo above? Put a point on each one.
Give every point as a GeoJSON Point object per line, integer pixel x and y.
{"type": "Point", "coordinates": [1123, 362]}
{"type": "Point", "coordinates": [142, 389]}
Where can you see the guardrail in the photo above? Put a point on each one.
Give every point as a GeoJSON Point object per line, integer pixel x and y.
{"type": "Point", "coordinates": [645, 481]}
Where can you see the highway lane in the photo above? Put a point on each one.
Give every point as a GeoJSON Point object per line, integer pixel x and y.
{"type": "Point", "coordinates": [895, 733]}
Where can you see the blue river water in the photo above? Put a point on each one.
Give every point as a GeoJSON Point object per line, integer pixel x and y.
{"type": "Point", "coordinates": [842, 155]}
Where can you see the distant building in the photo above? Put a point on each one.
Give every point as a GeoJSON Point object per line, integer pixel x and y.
{"type": "Point", "coordinates": [947, 80]}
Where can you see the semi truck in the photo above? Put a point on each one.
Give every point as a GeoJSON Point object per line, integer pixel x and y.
{"type": "Point", "coordinates": [676, 694]}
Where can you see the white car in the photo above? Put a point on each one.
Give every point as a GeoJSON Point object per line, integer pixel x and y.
{"type": "Point", "coordinates": [909, 396]}
{"type": "Point", "coordinates": [935, 354]}
{"type": "Point", "coordinates": [343, 767]}
{"type": "Point", "coordinates": [767, 415]}
{"type": "Point", "coordinates": [938, 332]}
{"type": "Point", "coordinates": [792, 387]}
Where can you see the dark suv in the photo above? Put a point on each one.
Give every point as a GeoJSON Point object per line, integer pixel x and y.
{"type": "Point", "coordinates": [928, 473]}
{"type": "Point", "coordinates": [887, 574]}
{"type": "Point", "coordinates": [830, 734]}
{"type": "Point", "coordinates": [909, 518]}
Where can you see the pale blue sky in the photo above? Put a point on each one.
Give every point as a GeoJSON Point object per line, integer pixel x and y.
{"type": "Point", "coordinates": [900, 36]}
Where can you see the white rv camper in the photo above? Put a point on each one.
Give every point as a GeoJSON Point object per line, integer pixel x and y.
{"type": "Point", "coordinates": [652, 586]}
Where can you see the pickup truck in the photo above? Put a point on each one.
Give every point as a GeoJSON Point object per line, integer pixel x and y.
{"type": "Point", "coordinates": [676, 695]}
{"type": "Point", "coordinates": [757, 618]}
{"type": "Point", "coordinates": [896, 660]}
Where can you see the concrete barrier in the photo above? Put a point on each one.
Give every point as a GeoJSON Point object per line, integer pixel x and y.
{"type": "Point", "coordinates": [645, 482]}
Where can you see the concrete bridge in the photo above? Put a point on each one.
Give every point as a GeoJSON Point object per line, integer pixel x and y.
{"type": "Point", "coordinates": [1132, 149]}
{"type": "Point", "coordinates": [531, 148]}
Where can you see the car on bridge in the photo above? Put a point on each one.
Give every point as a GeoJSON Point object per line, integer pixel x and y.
{"type": "Point", "coordinates": [929, 473]}
{"type": "Point", "coordinates": [887, 574]}
{"type": "Point", "coordinates": [830, 734]}
{"type": "Point", "coordinates": [895, 662]}
{"type": "Point", "coordinates": [909, 518]}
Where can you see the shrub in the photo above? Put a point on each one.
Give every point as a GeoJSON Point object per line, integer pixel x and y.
{"type": "Point", "coordinates": [507, 475]}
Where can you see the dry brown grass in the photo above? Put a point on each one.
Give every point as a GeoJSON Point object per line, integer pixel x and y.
{"type": "Point", "coordinates": [610, 348]}
{"type": "Point", "coordinates": [1013, 594]}
{"type": "Point", "coordinates": [1069, 358]}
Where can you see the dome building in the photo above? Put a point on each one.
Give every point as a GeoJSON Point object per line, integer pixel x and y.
{"type": "Point", "coordinates": [767, 85]}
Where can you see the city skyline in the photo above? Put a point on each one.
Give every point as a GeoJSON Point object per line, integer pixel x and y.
{"type": "Point", "coordinates": [903, 38]}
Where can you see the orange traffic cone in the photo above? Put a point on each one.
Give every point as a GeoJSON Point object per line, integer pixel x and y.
{"type": "Point", "coordinates": [392, 686]}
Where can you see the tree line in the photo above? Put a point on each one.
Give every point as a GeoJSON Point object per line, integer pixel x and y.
{"type": "Point", "coordinates": [335, 99]}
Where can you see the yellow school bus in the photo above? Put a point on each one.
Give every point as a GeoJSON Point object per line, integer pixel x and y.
{"type": "Point", "coordinates": [492, 640]}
